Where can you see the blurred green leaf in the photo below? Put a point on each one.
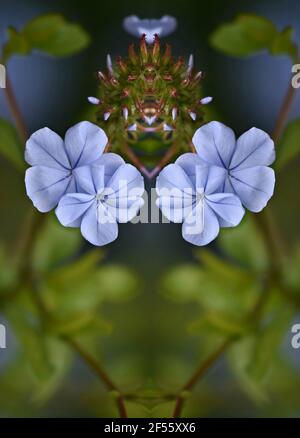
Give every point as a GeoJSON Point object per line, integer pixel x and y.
{"type": "Point", "coordinates": [32, 341]}
{"type": "Point", "coordinates": [219, 288]}
{"type": "Point", "coordinates": [289, 144]}
{"type": "Point", "coordinates": [283, 45]}
{"type": "Point", "coordinates": [49, 33]}
{"type": "Point", "coordinates": [54, 245]}
{"type": "Point", "coordinates": [16, 44]}
{"type": "Point", "coordinates": [10, 144]}
{"type": "Point", "coordinates": [245, 245]}
{"type": "Point", "coordinates": [249, 33]}
{"type": "Point", "coordinates": [117, 283]}
{"type": "Point", "coordinates": [8, 272]}
{"type": "Point", "coordinates": [252, 357]}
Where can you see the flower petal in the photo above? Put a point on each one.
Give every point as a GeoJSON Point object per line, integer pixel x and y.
{"type": "Point", "coordinates": [215, 143]}
{"type": "Point", "coordinates": [85, 143]}
{"type": "Point", "coordinates": [228, 208]}
{"type": "Point", "coordinates": [126, 179]}
{"type": "Point", "coordinates": [210, 230]}
{"type": "Point", "coordinates": [89, 179]}
{"type": "Point", "coordinates": [137, 27]}
{"type": "Point", "coordinates": [210, 178]}
{"type": "Point", "coordinates": [188, 163]}
{"type": "Point", "coordinates": [46, 148]}
{"type": "Point", "coordinates": [253, 148]}
{"type": "Point", "coordinates": [96, 232]}
{"type": "Point", "coordinates": [71, 207]}
{"type": "Point", "coordinates": [173, 176]}
{"type": "Point", "coordinates": [111, 163]}
{"type": "Point", "coordinates": [45, 186]}
{"type": "Point", "coordinates": [254, 186]}
{"type": "Point", "coordinates": [176, 208]}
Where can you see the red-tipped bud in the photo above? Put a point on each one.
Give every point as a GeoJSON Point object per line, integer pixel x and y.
{"type": "Point", "coordinates": [121, 64]}
{"type": "Point", "coordinates": [143, 48]}
{"type": "Point", "coordinates": [178, 65]}
{"type": "Point", "coordinates": [132, 55]}
{"type": "Point", "coordinates": [156, 48]}
{"type": "Point", "coordinates": [167, 55]}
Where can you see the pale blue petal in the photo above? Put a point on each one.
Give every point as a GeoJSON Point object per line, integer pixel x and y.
{"type": "Point", "coordinates": [111, 163]}
{"type": "Point", "coordinates": [71, 207]}
{"type": "Point", "coordinates": [173, 176]}
{"type": "Point", "coordinates": [126, 214]}
{"type": "Point", "coordinates": [97, 233]}
{"type": "Point", "coordinates": [85, 143]}
{"type": "Point", "coordinates": [254, 186]}
{"type": "Point", "coordinates": [228, 208]}
{"type": "Point", "coordinates": [176, 209]}
{"type": "Point", "coordinates": [188, 163]}
{"type": "Point", "coordinates": [210, 231]}
{"type": "Point", "coordinates": [126, 179]}
{"type": "Point", "coordinates": [46, 148]}
{"type": "Point", "coordinates": [210, 178]}
{"type": "Point", "coordinates": [89, 179]}
{"type": "Point", "coordinates": [253, 148]}
{"type": "Point", "coordinates": [215, 143]}
{"type": "Point", "coordinates": [45, 186]}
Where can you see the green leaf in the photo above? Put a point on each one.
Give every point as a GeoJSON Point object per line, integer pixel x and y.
{"type": "Point", "coordinates": [53, 34]}
{"type": "Point", "coordinates": [289, 145]}
{"type": "Point", "coordinates": [49, 33]}
{"type": "Point", "coordinates": [16, 44]}
{"type": "Point", "coordinates": [252, 357]}
{"type": "Point", "coordinates": [248, 34]}
{"type": "Point", "coordinates": [245, 245]}
{"type": "Point", "coordinates": [219, 289]}
{"type": "Point", "coordinates": [32, 341]}
{"type": "Point", "coordinates": [54, 245]}
{"type": "Point", "coordinates": [283, 45]}
{"type": "Point", "coordinates": [117, 283]}
{"type": "Point", "coordinates": [10, 144]}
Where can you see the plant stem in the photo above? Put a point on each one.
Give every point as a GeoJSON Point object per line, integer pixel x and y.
{"type": "Point", "coordinates": [210, 360]}
{"type": "Point", "coordinates": [15, 110]}
{"type": "Point", "coordinates": [284, 112]}
{"type": "Point", "coordinates": [94, 365]}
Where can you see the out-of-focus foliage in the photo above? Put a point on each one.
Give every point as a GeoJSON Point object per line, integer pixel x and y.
{"type": "Point", "coordinates": [10, 144]}
{"type": "Point", "coordinates": [288, 147]}
{"type": "Point", "coordinates": [249, 34]}
{"type": "Point", "coordinates": [50, 33]}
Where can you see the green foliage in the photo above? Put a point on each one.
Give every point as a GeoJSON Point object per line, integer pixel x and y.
{"type": "Point", "coordinates": [10, 144]}
{"type": "Point", "coordinates": [50, 33]}
{"type": "Point", "coordinates": [253, 356]}
{"type": "Point", "coordinates": [54, 245]}
{"type": "Point", "coordinates": [249, 34]}
{"type": "Point", "coordinates": [244, 245]}
{"type": "Point", "coordinates": [289, 145]}
{"type": "Point", "coordinates": [226, 294]}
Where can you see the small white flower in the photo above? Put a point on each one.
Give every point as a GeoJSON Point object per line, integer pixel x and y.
{"type": "Point", "coordinates": [149, 26]}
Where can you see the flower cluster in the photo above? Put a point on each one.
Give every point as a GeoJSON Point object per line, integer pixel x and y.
{"type": "Point", "coordinates": [91, 190]}
{"type": "Point", "coordinates": [209, 189]}
{"type": "Point", "coordinates": [150, 94]}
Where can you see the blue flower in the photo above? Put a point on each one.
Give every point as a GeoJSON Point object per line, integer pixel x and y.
{"type": "Point", "coordinates": [246, 161]}
{"type": "Point", "coordinates": [149, 27]}
{"type": "Point", "coordinates": [109, 191]}
{"type": "Point", "coordinates": [54, 161]}
{"type": "Point", "coordinates": [191, 192]}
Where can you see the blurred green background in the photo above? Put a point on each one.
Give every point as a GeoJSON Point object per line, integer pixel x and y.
{"type": "Point", "coordinates": [149, 307]}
